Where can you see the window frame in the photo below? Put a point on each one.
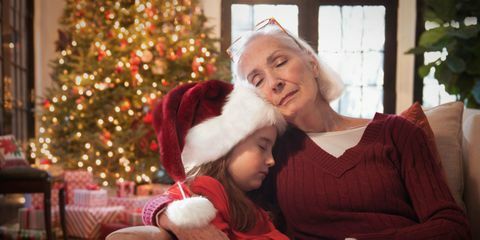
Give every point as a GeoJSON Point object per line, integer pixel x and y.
{"type": "Point", "coordinates": [17, 64]}
{"type": "Point", "coordinates": [308, 30]}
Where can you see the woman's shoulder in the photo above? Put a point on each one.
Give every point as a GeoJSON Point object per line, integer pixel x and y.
{"type": "Point", "coordinates": [396, 124]}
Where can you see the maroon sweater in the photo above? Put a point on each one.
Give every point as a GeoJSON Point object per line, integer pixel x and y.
{"type": "Point", "coordinates": [388, 186]}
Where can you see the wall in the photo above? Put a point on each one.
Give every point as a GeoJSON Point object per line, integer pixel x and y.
{"type": "Point", "coordinates": [48, 12]}
{"type": "Point", "coordinates": [47, 15]}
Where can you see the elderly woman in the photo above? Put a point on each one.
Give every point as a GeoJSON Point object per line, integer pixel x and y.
{"type": "Point", "coordinates": [339, 177]}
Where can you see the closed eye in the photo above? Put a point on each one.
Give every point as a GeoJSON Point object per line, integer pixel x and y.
{"type": "Point", "coordinates": [281, 63]}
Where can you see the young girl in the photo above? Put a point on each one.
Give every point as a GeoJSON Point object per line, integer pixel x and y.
{"type": "Point", "coordinates": [216, 148]}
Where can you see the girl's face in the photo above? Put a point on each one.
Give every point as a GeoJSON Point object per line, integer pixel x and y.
{"type": "Point", "coordinates": [285, 75]}
{"type": "Point", "coordinates": [250, 159]}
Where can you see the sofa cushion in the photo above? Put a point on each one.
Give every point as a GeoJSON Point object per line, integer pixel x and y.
{"type": "Point", "coordinates": [445, 123]}
{"type": "Point", "coordinates": [139, 233]}
{"type": "Point", "coordinates": [471, 159]}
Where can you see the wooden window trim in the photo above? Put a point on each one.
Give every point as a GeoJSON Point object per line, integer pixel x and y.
{"type": "Point", "coordinates": [12, 61]}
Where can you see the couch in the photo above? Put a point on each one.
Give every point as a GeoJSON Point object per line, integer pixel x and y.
{"type": "Point", "coordinates": [457, 135]}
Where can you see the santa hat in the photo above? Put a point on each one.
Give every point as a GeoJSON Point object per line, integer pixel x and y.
{"type": "Point", "coordinates": [198, 123]}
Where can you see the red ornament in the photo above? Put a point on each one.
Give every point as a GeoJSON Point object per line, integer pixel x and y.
{"type": "Point", "coordinates": [45, 161]}
{"type": "Point", "coordinates": [118, 69]}
{"type": "Point", "coordinates": [148, 118]}
{"type": "Point", "coordinates": [153, 145]}
{"type": "Point", "coordinates": [46, 103]}
{"type": "Point", "coordinates": [134, 71]}
{"type": "Point", "coordinates": [150, 12]}
{"type": "Point", "coordinates": [164, 82]}
{"type": "Point", "coordinates": [211, 69]}
{"type": "Point", "coordinates": [179, 52]}
{"type": "Point", "coordinates": [195, 65]}
{"type": "Point", "coordinates": [101, 54]}
{"type": "Point", "coordinates": [123, 43]}
{"type": "Point", "coordinates": [80, 100]}
{"type": "Point", "coordinates": [125, 105]}
{"type": "Point", "coordinates": [135, 60]}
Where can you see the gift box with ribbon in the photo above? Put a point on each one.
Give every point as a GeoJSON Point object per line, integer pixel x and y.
{"type": "Point", "coordinates": [125, 188]}
{"type": "Point", "coordinates": [37, 198]}
{"type": "Point", "coordinates": [31, 218]}
{"type": "Point", "coordinates": [151, 189]}
{"type": "Point", "coordinates": [85, 222]}
{"type": "Point", "coordinates": [14, 233]}
{"type": "Point", "coordinates": [130, 203]}
{"type": "Point", "coordinates": [76, 179]}
{"type": "Point", "coordinates": [133, 218]}
{"type": "Point", "coordinates": [92, 196]}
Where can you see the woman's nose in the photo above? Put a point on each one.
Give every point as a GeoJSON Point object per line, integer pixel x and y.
{"type": "Point", "coordinates": [277, 85]}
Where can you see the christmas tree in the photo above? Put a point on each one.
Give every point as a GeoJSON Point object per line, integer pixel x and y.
{"type": "Point", "coordinates": [116, 58]}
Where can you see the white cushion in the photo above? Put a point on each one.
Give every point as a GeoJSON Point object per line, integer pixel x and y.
{"type": "Point", "coordinates": [446, 123]}
{"type": "Point", "coordinates": [471, 158]}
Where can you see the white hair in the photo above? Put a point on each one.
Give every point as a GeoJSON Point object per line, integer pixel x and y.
{"type": "Point", "coordinates": [330, 85]}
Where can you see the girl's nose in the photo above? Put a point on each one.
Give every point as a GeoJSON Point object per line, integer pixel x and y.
{"type": "Point", "coordinates": [270, 161]}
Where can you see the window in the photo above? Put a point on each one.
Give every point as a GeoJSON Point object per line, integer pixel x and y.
{"type": "Point", "coordinates": [351, 36]}
{"type": "Point", "coordinates": [16, 68]}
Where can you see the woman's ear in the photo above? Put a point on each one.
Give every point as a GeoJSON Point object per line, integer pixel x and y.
{"type": "Point", "coordinates": [313, 62]}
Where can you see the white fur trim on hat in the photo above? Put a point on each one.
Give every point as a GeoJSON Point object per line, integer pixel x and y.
{"type": "Point", "coordinates": [191, 212]}
{"type": "Point", "coordinates": [243, 113]}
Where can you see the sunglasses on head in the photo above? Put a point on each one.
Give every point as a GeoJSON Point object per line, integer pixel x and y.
{"type": "Point", "coordinates": [233, 49]}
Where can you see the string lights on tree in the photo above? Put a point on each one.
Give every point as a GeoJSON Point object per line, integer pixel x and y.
{"type": "Point", "coordinates": [115, 60]}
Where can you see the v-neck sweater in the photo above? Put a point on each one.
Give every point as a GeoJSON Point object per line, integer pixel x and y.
{"type": "Point", "coordinates": [388, 186]}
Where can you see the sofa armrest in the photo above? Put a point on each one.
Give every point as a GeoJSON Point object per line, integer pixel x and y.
{"type": "Point", "coordinates": [139, 233]}
{"type": "Point", "coordinates": [471, 157]}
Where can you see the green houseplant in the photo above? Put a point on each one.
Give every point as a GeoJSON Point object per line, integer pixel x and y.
{"type": "Point", "coordinates": [457, 34]}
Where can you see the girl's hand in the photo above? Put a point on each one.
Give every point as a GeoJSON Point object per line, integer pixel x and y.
{"type": "Point", "coordinates": [204, 233]}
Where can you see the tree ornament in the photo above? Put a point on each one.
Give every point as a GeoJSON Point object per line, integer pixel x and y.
{"type": "Point", "coordinates": [46, 103]}
{"type": "Point", "coordinates": [125, 105]}
{"type": "Point", "coordinates": [211, 69]}
{"type": "Point", "coordinates": [159, 67]}
{"type": "Point", "coordinates": [147, 56]}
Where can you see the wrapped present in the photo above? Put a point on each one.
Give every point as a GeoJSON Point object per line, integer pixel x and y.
{"type": "Point", "coordinates": [77, 179]}
{"type": "Point", "coordinates": [85, 222]}
{"type": "Point", "coordinates": [130, 203]}
{"type": "Point", "coordinates": [133, 218]}
{"type": "Point", "coordinates": [125, 188]}
{"type": "Point", "coordinates": [14, 233]}
{"type": "Point", "coordinates": [90, 197]}
{"type": "Point", "coordinates": [36, 200]}
{"type": "Point", "coordinates": [151, 189]}
{"type": "Point", "coordinates": [31, 218]}
{"type": "Point", "coordinates": [11, 154]}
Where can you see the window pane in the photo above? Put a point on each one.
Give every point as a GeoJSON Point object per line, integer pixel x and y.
{"type": "Point", "coordinates": [434, 93]}
{"type": "Point", "coordinates": [351, 41]}
{"type": "Point", "coordinates": [245, 16]}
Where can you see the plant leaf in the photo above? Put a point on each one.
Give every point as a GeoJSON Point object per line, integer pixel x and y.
{"type": "Point", "coordinates": [416, 50]}
{"type": "Point", "coordinates": [444, 9]}
{"type": "Point", "coordinates": [444, 76]}
{"type": "Point", "coordinates": [424, 70]}
{"type": "Point", "coordinates": [431, 36]}
{"type": "Point", "coordinates": [455, 64]}
{"type": "Point", "coordinates": [464, 32]}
